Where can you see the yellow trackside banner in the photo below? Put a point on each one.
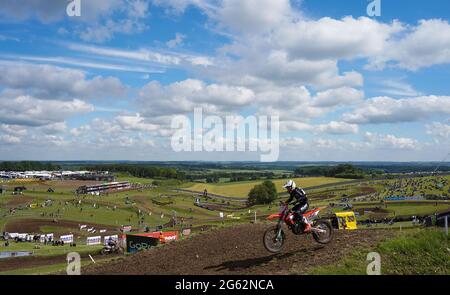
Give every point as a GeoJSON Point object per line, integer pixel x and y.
{"type": "Point", "coordinates": [346, 220]}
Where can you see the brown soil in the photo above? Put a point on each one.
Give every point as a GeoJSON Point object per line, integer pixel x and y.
{"type": "Point", "coordinates": [34, 225]}
{"type": "Point", "coordinates": [19, 200]}
{"type": "Point", "coordinates": [7, 264]}
{"type": "Point", "coordinates": [238, 250]}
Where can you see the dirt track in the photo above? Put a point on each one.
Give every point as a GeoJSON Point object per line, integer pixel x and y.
{"type": "Point", "coordinates": [238, 250]}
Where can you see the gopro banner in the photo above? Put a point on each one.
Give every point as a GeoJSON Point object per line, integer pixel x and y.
{"type": "Point", "coordinates": [138, 243]}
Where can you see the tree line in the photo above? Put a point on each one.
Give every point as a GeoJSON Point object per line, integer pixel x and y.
{"type": "Point", "coordinates": [143, 171]}
{"type": "Point", "coordinates": [28, 166]}
{"type": "Point", "coordinates": [340, 171]}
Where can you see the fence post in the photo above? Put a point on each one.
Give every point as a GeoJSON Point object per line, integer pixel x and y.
{"type": "Point", "coordinates": [446, 225]}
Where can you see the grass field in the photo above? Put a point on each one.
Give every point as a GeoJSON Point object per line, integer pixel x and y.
{"type": "Point", "coordinates": [159, 204]}
{"type": "Point", "coordinates": [413, 252]}
{"type": "Point", "coordinates": [241, 189]}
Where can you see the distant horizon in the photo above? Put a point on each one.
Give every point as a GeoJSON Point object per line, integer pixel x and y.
{"type": "Point", "coordinates": [225, 161]}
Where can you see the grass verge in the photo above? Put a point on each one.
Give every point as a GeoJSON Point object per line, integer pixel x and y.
{"type": "Point", "coordinates": [414, 252]}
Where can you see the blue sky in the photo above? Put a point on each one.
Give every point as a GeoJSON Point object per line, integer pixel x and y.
{"type": "Point", "coordinates": [105, 85]}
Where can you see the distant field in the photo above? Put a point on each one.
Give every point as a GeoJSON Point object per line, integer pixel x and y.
{"type": "Point", "coordinates": [241, 189]}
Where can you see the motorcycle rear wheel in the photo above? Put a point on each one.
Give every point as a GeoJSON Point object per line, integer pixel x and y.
{"type": "Point", "coordinates": [327, 236]}
{"type": "Point", "coordinates": [270, 242]}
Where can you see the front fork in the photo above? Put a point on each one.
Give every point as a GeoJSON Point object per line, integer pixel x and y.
{"type": "Point", "coordinates": [279, 229]}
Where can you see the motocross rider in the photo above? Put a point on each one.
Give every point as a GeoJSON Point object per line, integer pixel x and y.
{"type": "Point", "coordinates": [300, 199]}
{"type": "Point", "coordinates": [112, 242]}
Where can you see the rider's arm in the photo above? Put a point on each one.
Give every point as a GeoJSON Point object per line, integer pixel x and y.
{"type": "Point", "coordinates": [291, 197]}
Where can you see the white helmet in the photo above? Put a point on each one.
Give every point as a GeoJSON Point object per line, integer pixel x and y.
{"type": "Point", "coordinates": [290, 184]}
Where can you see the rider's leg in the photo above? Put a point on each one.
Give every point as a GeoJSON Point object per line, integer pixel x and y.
{"type": "Point", "coordinates": [302, 210]}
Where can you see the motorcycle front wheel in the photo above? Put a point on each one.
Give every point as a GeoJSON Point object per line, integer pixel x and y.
{"type": "Point", "coordinates": [272, 243]}
{"type": "Point", "coordinates": [326, 234]}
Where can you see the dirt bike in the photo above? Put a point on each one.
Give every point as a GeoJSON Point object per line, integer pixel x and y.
{"type": "Point", "coordinates": [111, 249]}
{"type": "Point", "coordinates": [274, 237]}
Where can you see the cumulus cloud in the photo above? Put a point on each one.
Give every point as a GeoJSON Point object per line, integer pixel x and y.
{"type": "Point", "coordinates": [439, 131]}
{"type": "Point", "coordinates": [297, 105]}
{"type": "Point", "coordinates": [379, 110]}
{"type": "Point", "coordinates": [335, 127]}
{"type": "Point", "coordinates": [329, 38]}
{"type": "Point", "coordinates": [421, 46]}
{"type": "Point", "coordinates": [95, 22]}
{"type": "Point", "coordinates": [344, 96]}
{"type": "Point", "coordinates": [391, 141]}
{"type": "Point", "coordinates": [240, 16]}
{"type": "Point", "coordinates": [6, 138]}
{"type": "Point", "coordinates": [29, 111]}
{"type": "Point", "coordinates": [177, 41]}
{"type": "Point", "coordinates": [136, 123]}
{"type": "Point", "coordinates": [51, 82]}
{"type": "Point", "coordinates": [182, 97]}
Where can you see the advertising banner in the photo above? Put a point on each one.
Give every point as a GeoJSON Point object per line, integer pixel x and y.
{"type": "Point", "coordinates": [67, 239]}
{"type": "Point", "coordinates": [126, 228]}
{"type": "Point", "coordinates": [97, 240]}
{"type": "Point", "coordinates": [163, 237]}
{"type": "Point", "coordinates": [137, 243]}
{"type": "Point", "coordinates": [346, 220]}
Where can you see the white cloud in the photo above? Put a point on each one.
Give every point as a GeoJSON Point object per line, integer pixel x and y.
{"type": "Point", "coordinates": [398, 88]}
{"type": "Point", "coordinates": [440, 131]}
{"type": "Point", "coordinates": [30, 111]}
{"type": "Point", "coordinates": [391, 141]}
{"type": "Point", "coordinates": [329, 38]}
{"type": "Point", "coordinates": [15, 130]}
{"type": "Point", "coordinates": [292, 142]}
{"type": "Point", "coordinates": [54, 128]}
{"type": "Point", "coordinates": [95, 22]}
{"type": "Point", "coordinates": [344, 96]}
{"type": "Point", "coordinates": [424, 45]}
{"type": "Point", "coordinates": [136, 123]}
{"type": "Point", "coordinates": [379, 110]}
{"type": "Point", "coordinates": [253, 15]}
{"type": "Point", "coordinates": [179, 38]}
{"type": "Point", "coordinates": [51, 82]}
{"type": "Point", "coordinates": [6, 138]}
{"type": "Point", "coordinates": [182, 97]}
{"type": "Point", "coordinates": [334, 127]}
{"type": "Point", "coordinates": [150, 56]}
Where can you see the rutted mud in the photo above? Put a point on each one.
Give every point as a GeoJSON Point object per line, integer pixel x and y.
{"type": "Point", "coordinates": [238, 250]}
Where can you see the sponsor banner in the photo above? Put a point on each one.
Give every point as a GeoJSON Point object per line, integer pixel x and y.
{"type": "Point", "coordinates": [346, 220]}
{"type": "Point", "coordinates": [9, 254]}
{"type": "Point", "coordinates": [126, 228]}
{"type": "Point", "coordinates": [67, 239]}
{"type": "Point", "coordinates": [106, 239]}
{"type": "Point", "coordinates": [170, 236]}
{"type": "Point", "coordinates": [97, 240]}
{"type": "Point", "coordinates": [163, 237]}
{"type": "Point", "coordinates": [137, 243]}
{"type": "Point", "coordinates": [12, 235]}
